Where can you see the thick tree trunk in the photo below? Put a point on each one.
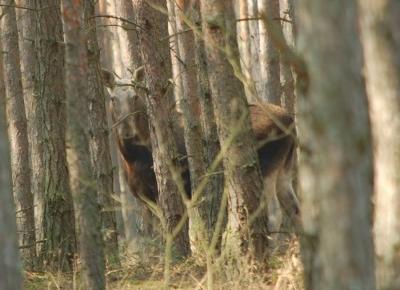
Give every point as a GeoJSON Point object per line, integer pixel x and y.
{"type": "Point", "coordinates": [335, 169]}
{"type": "Point", "coordinates": [380, 22]}
{"type": "Point", "coordinates": [245, 233]}
{"type": "Point", "coordinates": [79, 92]}
{"type": "Point", "coordinates": [99, 142]}
{"type": "Point", "coordinates": [17, 131]}
{"type": "Point", "coordinates": [10, 274]}
{"type": "Point", "coordinates": [157, 62]}
{"type": "Point", "coordinates": [269, 53]}
{"type": "Point", "coordinates": [53, 200]}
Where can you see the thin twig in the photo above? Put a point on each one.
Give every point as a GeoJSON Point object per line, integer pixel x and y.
{"type": "Point", "coordinates": [175, 34]}
{"type": "Point", "coordinates": [117, 18]}
{"type": "Point", "coordinates": [18, 7]}
{"type": "Point", "coordinates": [124, 118]}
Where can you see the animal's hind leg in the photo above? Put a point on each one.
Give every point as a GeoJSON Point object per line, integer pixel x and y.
{"type": "Point", "coordinates": [287, 197]}
{"type": "Point", "coordinates": [273, 208]}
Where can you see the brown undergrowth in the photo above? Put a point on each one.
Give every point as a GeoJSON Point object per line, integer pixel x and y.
{"type": "Point", "coordinates": [283, 271]}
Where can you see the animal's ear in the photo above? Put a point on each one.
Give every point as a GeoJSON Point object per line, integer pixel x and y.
{"type": "Point", "coordinates": [108, 78]}
{"type": "Point", "coordinates": [138, 75]}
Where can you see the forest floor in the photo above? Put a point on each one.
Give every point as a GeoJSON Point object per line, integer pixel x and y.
{"type": "Point", "coordinates": [282, 272]}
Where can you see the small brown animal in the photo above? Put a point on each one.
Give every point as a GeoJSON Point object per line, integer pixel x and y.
{"type": "Point", "coordinates": [275, 147]}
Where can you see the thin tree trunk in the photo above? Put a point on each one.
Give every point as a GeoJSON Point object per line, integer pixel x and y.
{"type": "Point", "coordinates": [156, 58]}
{"type": "Point", "coordinates": [245, 233]}
{"type": "Point", "coordinates": [380, 22]}
{"type": "Point", "coordinates": [255, 44]}
{"type": "Point", "coordinates": [130, 35]}
{"type": "Point", "coordinates": [26, 22]}
{"type": "Point", "coordinates": [199, 230]}
{"type": "Point", "coordinates": [53, 200]}
{"type": "Point", "coordinates": [288, 93]}
{"type": "Point", "coordinates": [10, 274]}
{"type": "Point", "coordinates": [335, 169]}
{"type": "Point", "coordinates": [99, 143]}
{"type": "Point", "coordinates": [17, 131]}
{"type": "Point", "coordinates": [105, 35]}
{"type": "Point", "coordinates": [214, 189]}
{"type": "Point", "coordinates": [244, 42]}
{"type": "Point", "coordinates": [269, 53]}
{"type": "Point", "coordinates": [79, 92]}
{"type": "Point", "coordinates": [106, 43]}
{"type": "Point", "coordinates": [175, 53]}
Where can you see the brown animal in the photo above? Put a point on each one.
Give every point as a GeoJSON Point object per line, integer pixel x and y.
{"type": "Point", "coordinates": [275, 147]}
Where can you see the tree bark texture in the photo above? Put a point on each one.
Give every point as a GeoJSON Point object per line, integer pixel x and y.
{"type": "Point", "coordinates": [105, 35]}
{"type": "Point", "coordinates": [79, 93]}
{"type": "Point", "coordinates": [130, 34]}
{"type": "Point", "coordinates": [53, 200]}
{"type": "Point", "coordinates": [254, 31]}
{"type": "Point", "coordinates": [10, 275]}
{"type": "Point", "coordinates": [269, 53]}
{"type": "Point", "coordinates": [17, 131]}
{"type": "Point", "coordinates": [287, 78]}
{"type": "Point", "coordinates": [380, 21]}
{"type": "Point", "coordinates": [99, 142]}
{"type": "Point", "coordinates": [335, 169]}
{"type": "Point", "coordinates": [156, 58]}
{"type": "Point", "coordinates": [200, 231]}
{"type": "Point", "coordinates": [244, 42]}
{"type": "Point", "coordinates": [242, 173]}
{"type": "Point", "coordinates": [27, 30]}
{"type": "Point", "coordinates": [214, 189]}
{"type": "Point", "coordinates": [176, 60]}
{"type": "Point", "coordinates": [109, 49]}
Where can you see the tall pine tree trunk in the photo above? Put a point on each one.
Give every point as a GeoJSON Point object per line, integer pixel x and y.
{"type": "Point", "coordinates": [176, 60]}
{"type": "Point", "coordinates": [380, 20]}
{"type": "Point", "coordinates": [246, 233]}
{"type": "Point", "coordinates": [244, 42]}
{"type": "Point", "coordinates": [53, 200]}
{"type": "Point", "coordinates": [269, 53]}
{"type": "Point", "coordinates": [287, 78]}
{"type": "Point", "coordinates": [10, 275]}
{"type": "Point", "coordinates": [17, 131]}
{"type": "Point", "coordinates": [99, 142]}
{"type": "Point", "coordinates": [156, 59]}
{"type": "Point", "coordinates": [212, 198]}
{"type": "Point", "coordinates": [79, 93]}
{"type": "Point", "coordinates": [199, 230]}
{"type": "Point", "coordinates": [335, 169]}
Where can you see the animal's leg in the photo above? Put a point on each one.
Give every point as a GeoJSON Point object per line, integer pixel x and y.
{"type": "Point", "coordinates": [287, 197]}
{"type": "Point", "coordinates": [273, 207]}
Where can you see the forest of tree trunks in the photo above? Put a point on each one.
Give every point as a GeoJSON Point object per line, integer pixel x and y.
{"type": "Point", "coordinates": [200, 144]}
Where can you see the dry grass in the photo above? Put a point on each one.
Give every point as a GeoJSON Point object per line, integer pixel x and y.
{"type": "Point", "coordinates": [282, 272]}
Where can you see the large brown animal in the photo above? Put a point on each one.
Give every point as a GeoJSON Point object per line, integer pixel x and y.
{"type": "Point", "coordinates": [271, 125]}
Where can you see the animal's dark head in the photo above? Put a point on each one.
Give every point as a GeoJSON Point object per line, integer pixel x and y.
{"type": "Point", "coordinates": [127, 106]}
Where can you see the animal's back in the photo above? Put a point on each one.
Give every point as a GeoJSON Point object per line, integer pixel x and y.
{"type": "Point", "coordinates": [273, 129]}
